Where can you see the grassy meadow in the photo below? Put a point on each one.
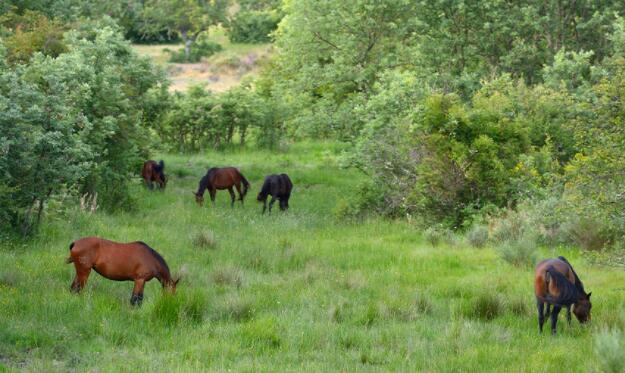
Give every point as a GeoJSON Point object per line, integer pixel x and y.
{"type": "Point", "coordinates": [305, 290]}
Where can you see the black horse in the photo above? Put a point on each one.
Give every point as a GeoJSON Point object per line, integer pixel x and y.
{"type": "Point", "coordinates": [279, 187]}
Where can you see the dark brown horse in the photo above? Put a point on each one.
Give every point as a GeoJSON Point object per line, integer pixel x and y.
{"type": "Point", "coordinates": [133, 261]}
{"type": "Point", "coordinates": [219, 179]}
{"type": "Point", "coordinates": [153, 172]}
{"type": "Point", "coordinates": [278, 187]}
{"type": "Point", "coordinates": [557, 285]}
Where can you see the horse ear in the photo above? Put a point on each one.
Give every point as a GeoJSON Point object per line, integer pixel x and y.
{"type": "Point", "coordinates": [588, 295]}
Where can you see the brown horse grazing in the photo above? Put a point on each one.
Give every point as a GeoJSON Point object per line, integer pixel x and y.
{"type": "Point", "coordinates": [222, 178]}
{"type": "Point", "coordinates": [133, 261]}
{"type": "Point", "coordinates": [557, 284]}
{"type": "Point", "coordinates": [278, 187]}
{"type": "Point", "coordinates": [153, 172]}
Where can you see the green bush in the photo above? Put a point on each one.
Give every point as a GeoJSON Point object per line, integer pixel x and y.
{"type": "Point", "coordinates": [72, 125]}
{"type": "Point", "coordinates": [436, 235]}
{"type": "Point", "coordinates": [253, 26]}
{"type": "Point", "coordinates": [478, 236]}
{"type": "Point", "coordinates": [521, 251]}
{"type": "Point", "coordinates": [200, 49]}
{"type": "Point", "coordinates": [200, 119]}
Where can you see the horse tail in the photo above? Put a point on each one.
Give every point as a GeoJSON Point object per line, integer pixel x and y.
{"type": "Point", "coordinates": [246, 185]}
{"type": "Point", "coordinates": [70, 259]}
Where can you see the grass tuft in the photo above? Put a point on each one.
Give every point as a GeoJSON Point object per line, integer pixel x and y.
{"type": "Point", "coordinates": [484, 306]}
{"type": "Point", "coordinates": [610, 350]}
{"type": "Point", "coordinates": [205, 240]}
{"type": "Point", "coordinates": [228, 276]}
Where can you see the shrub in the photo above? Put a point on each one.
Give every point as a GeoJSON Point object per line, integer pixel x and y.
{"type": "Point", "coordinates": [478, 236]}
{"type": "Point", "coordinates": [520, 251]}
{"type": "Point", "coordinates": [436, 235]}
{"type": "Point", "coordinates": [587, 233]}
{"type": "Point", "coordinates": [610, 349]}
{"type": "Point", "coordinates": [84, 132]}
{"type": "Point", "coordinates": [253, 26]}
{"type": "Point", "coordinates": [200, 49]}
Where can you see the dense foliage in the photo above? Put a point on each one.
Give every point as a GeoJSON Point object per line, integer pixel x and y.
{"type": "Point", "coordinates": [201, 49]}
{"type": "Point", "coordinates": [187, 19]}
{"type": "Point", "coordinates": [253, 26]}
{"type": "Point", "coordinates": [458, 112]}
{"type": "Point", "coordinates": [199, 119]}
{"type": "Point", "coordinates": [74, 123]}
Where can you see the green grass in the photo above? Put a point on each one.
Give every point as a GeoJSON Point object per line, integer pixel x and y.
{"type": "Point", "coordinates": [283, 292]}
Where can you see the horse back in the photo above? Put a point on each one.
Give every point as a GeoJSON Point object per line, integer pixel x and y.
{"type": "Point", "coordinates": [543, 284]}
{"type": "Point", "coordinates": [117, 261]}
{"type": "Point", "coordinates": [148, 169]}
{"type": "Point", "coordinates": [288, 185]}
{"type": "Point", "coordinates": [223, 178]}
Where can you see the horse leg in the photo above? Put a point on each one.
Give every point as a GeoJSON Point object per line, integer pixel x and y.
{"type": "Point", "coordinates": [212, 193]}
{"type": "Point", "coordinates": [232, 197]}
{"type": "Point", "coordinates": [137, 292]}
{"type": "Point", "coordinates": [264, 205]}
{"type": "Point", "coordinates": [238, 186]}
{"type": "Point", "coordinates": [548, 313]}
{"type": "Point", "coordinates": [282, 204]}
{"type": "Point", "coordinates": [273, 200]}
{"type": "Point", "coordinates": [554, 318]}
{"type": "Point", "coordinates": [82, 274]}
{"type": "Point", "coordinates": [541, 317]}
{"type": "Point", "coordinates": [568, 314]}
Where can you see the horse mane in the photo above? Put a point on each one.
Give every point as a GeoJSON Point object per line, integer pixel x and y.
{"type": "Point", "coordinates": [265, 189]}
{"type": "Point", "coordinates": [156, 256]}
{"type": "Point", "coordinates": [159, 168]}
{"type": "Point", "coordinates": [205, 180]}
{"type": "Point", "coordinates": [569, 293]}
{"type": "Point", "coordinates": [578, 283]}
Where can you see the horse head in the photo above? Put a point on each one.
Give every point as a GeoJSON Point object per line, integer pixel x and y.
{"type": "Point", "coordinates": [171, 285]}
{"type": "Point", "coordinates": [582, 308]}
{"type": "Point", "coordinates": [199, 198]}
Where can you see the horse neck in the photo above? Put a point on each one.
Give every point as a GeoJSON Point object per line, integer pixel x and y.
{"type": "Point", "coordinates": [203, 185]}
{"type": "Point", "coordinates": [569, 293]}
{"type": "Point", "coordinates": [164, 277]}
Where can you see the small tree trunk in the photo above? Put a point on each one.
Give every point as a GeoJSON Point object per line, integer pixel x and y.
{"type": "Point", "coordinates": [188, 40]}
{"type": "Point", "coordinates": [187, 49]}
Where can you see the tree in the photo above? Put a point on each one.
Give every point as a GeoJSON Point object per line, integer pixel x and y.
{"type": "Point", "coordinates": [185, 18]}
{"type": "Point", "coordinates": [72, 123]}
